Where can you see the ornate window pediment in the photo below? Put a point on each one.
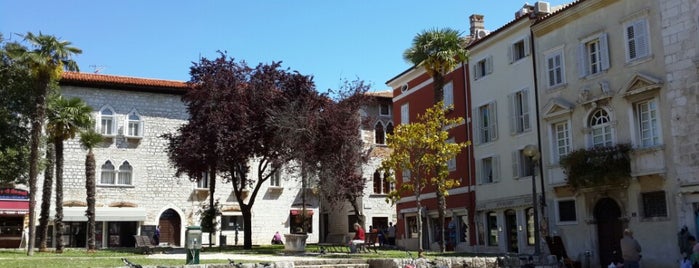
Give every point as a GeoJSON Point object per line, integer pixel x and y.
{"type": "Point", "coordinates": [557, 107]}
{"type": "Point", "coordinates": [641, 84]}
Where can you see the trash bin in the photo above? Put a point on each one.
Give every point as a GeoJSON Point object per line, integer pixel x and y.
{"type": "Point", "coordinates": [222, 240]}
{"type": "Point", "coordinates": [193, 244]}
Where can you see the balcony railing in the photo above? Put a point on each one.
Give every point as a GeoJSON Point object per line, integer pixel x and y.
{"type": "Point", "coordinates": [598, 166]}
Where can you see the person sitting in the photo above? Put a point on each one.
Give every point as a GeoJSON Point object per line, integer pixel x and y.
{"type": "Point", "coordinates": [277, 239]}
{"type": "Point", "coordinates": [358, 238]}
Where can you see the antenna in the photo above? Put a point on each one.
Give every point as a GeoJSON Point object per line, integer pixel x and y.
{"type": "Point", "coordinates": [98, 68]}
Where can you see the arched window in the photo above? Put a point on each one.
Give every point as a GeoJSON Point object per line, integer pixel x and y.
{"type": "Point", "coordinates": [125, 171]}
{"type": "Point", "coordinates": [389, 128]}
{"type": "Point", "coordinates": [134, 124]}
{"type": "Point", "coordinates": [379, 135]}
{"type": "Point", "coordinates": [601, 126]}
{"type": "Point", "coordinates": [377, 182]}
{"type": "Point", "coordinates": [107, 173]}
{"type": "Point", "coordinates": [386, 184]}
{"type": "Point", "coordinates": [107, 121]}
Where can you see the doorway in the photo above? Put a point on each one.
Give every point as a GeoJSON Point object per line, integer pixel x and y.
{"type": "Point", "coordinates": [170, 225]}
{"type": "Point", "coordinates": [511, 229]}
{"type": "Point", "coordinates": [609, 230]}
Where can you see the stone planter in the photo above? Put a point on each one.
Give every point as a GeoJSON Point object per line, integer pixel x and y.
{"type": "Point", "coordinates": [295, 243]}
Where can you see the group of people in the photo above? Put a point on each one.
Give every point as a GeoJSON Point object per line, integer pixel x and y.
{"type": "Point", "coordinates": [385, 236]}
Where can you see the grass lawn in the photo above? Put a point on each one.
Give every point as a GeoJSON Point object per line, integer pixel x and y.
{"type": "Point", "coordinates": [112, 257]}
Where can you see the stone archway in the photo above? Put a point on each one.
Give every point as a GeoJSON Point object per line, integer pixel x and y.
{"type": "Point", "coordinates": [170, 227]}
{"type": "Point", "coordinates": [609, 230]}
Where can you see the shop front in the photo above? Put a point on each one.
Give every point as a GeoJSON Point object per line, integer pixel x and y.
{"type": "Point", "coordinates": [14, 207]}
{"type": "Point", "coordinates": [114, 227]}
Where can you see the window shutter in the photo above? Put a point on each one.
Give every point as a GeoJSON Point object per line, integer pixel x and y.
{"type": "Point", "coordinates": [604, 51]}
{"type": "Point", "coordinates": [526, 45]}
{"type": "Point", "coordinates": [496, 168]}
{"type": "Point", "coordinates": [526, 125]}
{"type": "Point", "coordinates": [511, 53]}
{"type": "Point", "coordinates": [641, 38]}
{"type": "Point", "coordinates": [489, 65]}
{"type": "Point", "coordinates": [515, 164]}
{"type": "Point", "coordinates": [512, 106]}
{"type": "Point", "coordinates": [448, 94]}
{"type": "Point", "coordinates": [479, 171]}
{"type": "Point", "coordinates": [475, 126]}
{"type": "Point", "coordinates": [582, 60]}
{"type": "Point", "coordinates": [477, 71]}
{"type": "Point", "coordinates": [404, 114]}
{"type": "Point", "coordinates": [492, 110]}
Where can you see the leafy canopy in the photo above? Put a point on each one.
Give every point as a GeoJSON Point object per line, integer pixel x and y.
{"type": "Point", "coordinates": [438, 50]}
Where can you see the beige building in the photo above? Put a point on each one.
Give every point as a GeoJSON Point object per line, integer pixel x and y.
{"type": "Point", "coordinates": [601, 80]}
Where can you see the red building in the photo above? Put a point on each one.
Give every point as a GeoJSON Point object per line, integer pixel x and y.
{"type": "Point", "coordinates": [413, 93]}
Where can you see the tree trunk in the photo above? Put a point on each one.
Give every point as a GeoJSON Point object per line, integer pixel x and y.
{"type": "Point", "coordinates": [438, 83]}
{"type": "Point", "coordinates": [442, 207]}
{"type": "Point", "coordinates": [37, 125]}
{"type": "Point", "coordinates": [58, 224]}
{"type": "Point", "coordinates": [90, 190]}
{"type": "Point", "coordinates": [247, 226]}
{"type": "Point", "coordinates": [420, 249]}
{"type": "Point", "coordinates": [212, 190]}
{"type": "Point", "coordinates": [46, 198]}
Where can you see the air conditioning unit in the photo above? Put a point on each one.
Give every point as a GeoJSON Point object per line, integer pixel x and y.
{"type": "Point", "coordinates": [404, 88]}
{"type": "Point", "coordinates": [542, 8]}
{"type": "Point", "coordinates": [480, 33]}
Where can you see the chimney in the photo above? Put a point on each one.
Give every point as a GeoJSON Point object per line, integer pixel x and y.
{"type": "Point", "coordinates": [477, 23]}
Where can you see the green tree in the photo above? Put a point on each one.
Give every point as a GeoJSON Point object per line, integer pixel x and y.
{"type": "Point", "coordinates": [89, 139]}
{"type": "Point", "coordinates": [66, 118]}
{"type": "Point", "coordinates": [47, 59]}
{"type": "Point", "coordinates": [421, 150]}
{"type": "Point", "coordinates": [439, 51]}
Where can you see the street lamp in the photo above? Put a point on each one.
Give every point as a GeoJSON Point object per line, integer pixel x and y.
{"type": "Point", "coordinates": [532, 152]}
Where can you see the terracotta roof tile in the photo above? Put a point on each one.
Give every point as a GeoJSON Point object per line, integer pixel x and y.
{"type": "Point", "coordinates": [126, 81]}
{"type": "Point", "coordinates": [381, 94]}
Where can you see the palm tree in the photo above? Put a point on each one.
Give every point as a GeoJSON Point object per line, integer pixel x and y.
{"type": "Point", "coordinates": [66, 118]}
{"type": "Point", "coordinates": [89, 139]}
{"type": "Point", "coordinates": [439, 51]}
{"type": "Point", "coordinates": [46, 197]}
{"type": "Point", "coordinates": [46, 60]}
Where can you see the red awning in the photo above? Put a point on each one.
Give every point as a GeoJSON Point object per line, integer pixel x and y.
{"type": "Point", "coordinates": [295, 212]}
{"type": "Point", "coordinates": [14, 207]}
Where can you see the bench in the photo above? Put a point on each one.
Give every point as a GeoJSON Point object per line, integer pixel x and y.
{"type": "Point", "coordinates": [369, 243]}
{"type": "Point", "coordinates": [334, 243]}
{"type": "Point", "coordinates": [143, 243]}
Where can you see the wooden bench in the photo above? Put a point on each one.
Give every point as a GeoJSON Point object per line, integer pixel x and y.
{"type": "Point", "coordinates": [334, 243]}
{"type": "Point", "coordinates": [369, 243]}
{"type": "Point", "coordinates": [143, 243]}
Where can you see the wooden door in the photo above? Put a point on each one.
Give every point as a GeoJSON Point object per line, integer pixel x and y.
{"type": "Point", "coordinates": [170, 227]}
{"type": "Point", "coordinates": [609, 230]}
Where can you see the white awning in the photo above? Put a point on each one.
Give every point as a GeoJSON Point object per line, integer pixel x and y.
{"type": "Point", "coordinates": [103, 214]}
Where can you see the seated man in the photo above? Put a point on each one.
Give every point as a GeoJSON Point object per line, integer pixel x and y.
{"type": "Point", "coordinates": [358, 238]}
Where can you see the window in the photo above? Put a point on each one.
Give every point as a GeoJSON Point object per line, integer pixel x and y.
{"type": "Point", "coordinates": [404, 116]}
{"type": "Point", "coordinates": [566, 211]}
{"type": "Point", "coordinates": [654, 204]}
{"type": "Point", "coordinates": [451, 164]}
{"type": "Point", "coordinates": [276, 178]}
{"type": "Point", "coordinates": [488, 172]}
{"type": "Point", "coordinates": [483, 67]}
{"type": "Point", "coordinates": [487, 123]}
{"type": "Point", "coordinates": [448, 94]}
{"type": "Point", "coordinates": [107, 121]}
{"type": "Point", "coordinates": [203, 182]}
{"type": "Point", "coordinates": [107, 172]}
{"type": "Point", "coordinates": [389, 128]}
{"type": "Point", "coordinates": [299, 222]}
{"type": "Point", "coordinates": [519, 111]}
{"type": "Point", "coordinates": [519, 50]}
{"type": "Point", "coordinates": [601, 133]}
{"type": "Point", "coordinates": [637, 41]}
{"type": "Point", "coordinates": [381, 184]}
{"type": "Point", "coordinates": [593, 55]}
{"type": "Point", "coordinates": [379, 133]}
{"type": "Point", "coordinates": [493, 232]}
{"type": "Point", "coordinates": [384, 109]}
{"type": "Point", "coordinates": [125, 172]}
{"type": "Point", "coordinates": [561, 140]}
{"type": "Point", "coordinates": [411, 226]}
{"type": "Point", "coordinates": [134, 124]}
{"type": "Point", "coordinates": [554, 69]}
{"type": "Point", "coordinates": [230, 223]}
{"type": "Point", "coordinates": [406, 175]}
{"type": "Point", "coordinates": [647, 119]}
{"type": "Point", "coordinates": [521, 165]}
{"type": "Point", "coordinates": [530, 226]}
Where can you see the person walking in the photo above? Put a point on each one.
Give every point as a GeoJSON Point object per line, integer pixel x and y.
{"type": "Point", "coordinates": [391, 234]}
{"type": "Point", "coordinates": [156, 235]}
{"type": "Point", "coordinates": [630, 250]}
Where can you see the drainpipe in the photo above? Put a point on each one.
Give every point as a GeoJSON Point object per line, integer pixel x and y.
{"type": "Point", "coordinates": [469, 151]}
{"type": "Point", "coordinates": [538, 126]}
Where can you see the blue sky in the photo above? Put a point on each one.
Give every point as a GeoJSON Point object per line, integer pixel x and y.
{"type": "Point", "coordinates": [331, 40]}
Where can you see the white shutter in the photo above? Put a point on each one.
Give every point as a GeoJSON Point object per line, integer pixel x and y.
{"type": "Point", "coordinates": [448, 94]}
{"type": "Point", "coordinates": [511, 53]}
{"type": "Point", "coordinates": [489, 65]}
{"type": "Point", "coordinates": [526, 45]}
{"type": "Point", "coordinates": [496, 168]}
{"type": "Point", "coordinates": [641, 38]}
{"type": "Point", "coordinates": [404, 114]}
{"type": "Point", "coordinates": [512, 115]}
{"type": "Point", "coordinates": [477, 71]}
{"type": "Point", "coordinates": [525, 111]}
{"type": "Point", "coordinates": [492, 111]}
{"type": "Point", "coordinates": [582, 60]}
{"type": "Point", "coordinates": [479, 171]}
{"type": "Point", "coordinates": [515, 164]}
{"type": "Point", "coordinates": [604, 51]}
{"type": "Point", "coordinates": [475, 126]}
